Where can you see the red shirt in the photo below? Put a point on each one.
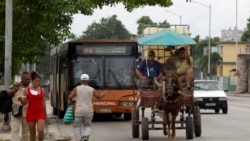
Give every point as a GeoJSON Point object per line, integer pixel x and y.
{"type": "Point", "coordinates": [35, 108]}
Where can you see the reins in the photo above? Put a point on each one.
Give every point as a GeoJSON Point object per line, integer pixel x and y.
{"type": "Point", "coordinates": [169, 85]}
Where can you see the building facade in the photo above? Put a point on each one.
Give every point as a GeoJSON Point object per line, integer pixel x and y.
{"type": "Point", "coordinates": [233, 54]}
{"type": "Point", "coordinates": [231, 35]}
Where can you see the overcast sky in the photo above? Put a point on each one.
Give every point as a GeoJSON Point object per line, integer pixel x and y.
{"type": "Point", "coordinates": [223, 16]}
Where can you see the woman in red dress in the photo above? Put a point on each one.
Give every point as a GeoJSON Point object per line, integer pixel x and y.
{"type": "Point", "coordinates": [36, 109]}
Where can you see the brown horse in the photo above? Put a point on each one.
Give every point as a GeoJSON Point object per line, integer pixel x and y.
{"type": "Point", "coordinates": [171, 100]}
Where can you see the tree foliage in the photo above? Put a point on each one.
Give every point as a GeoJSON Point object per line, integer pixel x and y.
{"type": "Point", "coordinates": [198, 54]}
{"type": "Point", "coordinates": [145, 21]}
{"type": "Point", "coordinates": [201, 44]}
{"type": "Point", "coordinates": [215, 60]}
{"type": "Point", "coordinates": [37, 23]}
{"type": "Point", "coordinates": [142, 22]}
{"type": "Point", "coordinates": [108, 28]}
{"type": "Point", "coordinates": [246, 34]}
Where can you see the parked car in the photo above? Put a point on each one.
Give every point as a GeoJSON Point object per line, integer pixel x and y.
{"type": "Point", "coordinates": [208, 94]}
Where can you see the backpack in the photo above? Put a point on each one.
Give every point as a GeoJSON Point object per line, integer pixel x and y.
{"type": "Point", "coordinates": [5, 102]}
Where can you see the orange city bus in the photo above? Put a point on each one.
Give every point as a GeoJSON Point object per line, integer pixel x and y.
{"type": "Point", "coordinates": [111, 67]}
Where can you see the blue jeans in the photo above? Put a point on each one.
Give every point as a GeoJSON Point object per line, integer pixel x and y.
{"type": "Point", "coordinates": [82, 127]}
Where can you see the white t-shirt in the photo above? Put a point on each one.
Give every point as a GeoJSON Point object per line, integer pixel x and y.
{"type": "Point", "coordinates": [84, 105]}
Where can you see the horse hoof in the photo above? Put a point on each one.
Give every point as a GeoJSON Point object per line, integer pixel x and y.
{"type": "Point", "coordinates": [165, 133]}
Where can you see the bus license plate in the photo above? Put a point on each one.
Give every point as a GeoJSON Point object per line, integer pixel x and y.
{"type": "Point", "coordinates": [210, 104]}
{"type": "Point", "coordinates": [104, 110]}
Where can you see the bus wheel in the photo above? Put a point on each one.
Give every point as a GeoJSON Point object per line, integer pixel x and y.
{"type": "Point", "coordinates": [118, 114]}
{"type": "Point", "coordinates": [127, 116]}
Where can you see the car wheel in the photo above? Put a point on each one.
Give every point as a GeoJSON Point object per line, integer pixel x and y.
{"type": "Point", "coordinates": [217, 111]}
{"type": "Point", "coordinates": [225, 110]}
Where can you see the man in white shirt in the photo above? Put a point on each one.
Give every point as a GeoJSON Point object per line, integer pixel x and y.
{"type": "Point", "coordinates": [84, 108]}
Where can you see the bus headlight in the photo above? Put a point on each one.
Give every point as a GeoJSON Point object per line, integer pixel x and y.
{"type": "Point", "coordinates": [126, 103]}
{"type": "Point", "coordinates": [130, 103]}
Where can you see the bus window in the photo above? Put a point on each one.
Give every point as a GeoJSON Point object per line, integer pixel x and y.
{"type": "Point", "coordinates": [92, 66]}
{"type": "Point", "coordinates": [117, 72]}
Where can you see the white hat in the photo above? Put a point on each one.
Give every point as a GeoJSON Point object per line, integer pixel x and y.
{"type": "Point", "coordinates": [84, 77]}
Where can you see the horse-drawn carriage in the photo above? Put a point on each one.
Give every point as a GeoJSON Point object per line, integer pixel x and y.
{"type": "Point", "coordinates": [190, 118]}
{"type": "Point", "coordinates": [161, 102]}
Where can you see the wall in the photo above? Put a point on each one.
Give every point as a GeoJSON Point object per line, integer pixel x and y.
{"type": "Point", "coordinates": [227, 51]}
{"type": "Point", "coordinates": [243, 82]}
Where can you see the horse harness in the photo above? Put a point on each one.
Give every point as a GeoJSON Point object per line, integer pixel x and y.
{"type": "Point", "coordinates": [169, 89]}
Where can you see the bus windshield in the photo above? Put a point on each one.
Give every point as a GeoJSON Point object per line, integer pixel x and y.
{"type": "Point", "coordinates": [105, 72]}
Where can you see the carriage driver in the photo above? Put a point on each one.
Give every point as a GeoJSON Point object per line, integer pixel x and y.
{"type": "Point", "coordinates": [148, 70]}
{"type": "Point", "coordinates": [183, 63]}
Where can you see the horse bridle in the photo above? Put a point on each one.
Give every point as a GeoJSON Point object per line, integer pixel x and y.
{"type": "Point", "coordinates": [169, 87]}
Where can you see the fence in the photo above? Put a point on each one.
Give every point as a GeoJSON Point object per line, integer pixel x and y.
{"type": "Point", "coordinates": [228, 83]}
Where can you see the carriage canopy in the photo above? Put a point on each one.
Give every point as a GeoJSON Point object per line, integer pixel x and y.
{"type": "Point", "coordinates": [165, 38]}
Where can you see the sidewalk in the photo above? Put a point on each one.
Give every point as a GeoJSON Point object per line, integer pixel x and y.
{"type": "Point", "coordinates": [55, 130]}
{"type": "Point", "coordinates": [237, 95]}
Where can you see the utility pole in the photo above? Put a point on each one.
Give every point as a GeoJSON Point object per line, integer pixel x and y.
{"type": "Point", "coordinates": [236, 47]}
{"type": "Point", "coordinates": [8, 43]}
{"type": "Point", "coordinates": [8, 55]}
{"type": "Point", "coordinates": [175, 15]}
{"type": "Point", "coordinates": [209, 38]}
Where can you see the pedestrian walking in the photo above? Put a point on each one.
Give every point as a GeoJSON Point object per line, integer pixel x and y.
{"type": "Point", "coordinates": [18, 120]}
{"type": "Point", "coordinates": [83, 95]}
{"type": "Point", "coordinates": [36, 108]}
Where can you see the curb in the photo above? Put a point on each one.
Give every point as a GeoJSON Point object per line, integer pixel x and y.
{"type": "Point", "coordinates": [238, 95]}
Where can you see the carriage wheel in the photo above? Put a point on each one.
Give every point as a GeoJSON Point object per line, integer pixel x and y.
{"type": "Point", "coordinates": [189, 127]}
{"type": "Point", "coordinates": [197, 121]}
{"type": "Point", "coordinates": [135, 125]}
{"type": "Point", "coordinates": [145, 129]}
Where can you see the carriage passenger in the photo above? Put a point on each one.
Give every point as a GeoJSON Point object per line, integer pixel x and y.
{"type": "Point", "coordinates": [183, 63]}
{"type": "Point", "coordinates": [148, 70]}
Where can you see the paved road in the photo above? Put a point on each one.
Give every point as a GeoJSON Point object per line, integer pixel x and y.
{"type": "Point", "coordinates": [216, 127]}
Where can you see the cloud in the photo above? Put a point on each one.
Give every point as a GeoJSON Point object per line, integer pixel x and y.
{"type": "Point", "coordinates": [223, 16]}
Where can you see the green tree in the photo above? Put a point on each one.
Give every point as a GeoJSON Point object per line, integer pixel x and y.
{"type": "Point", "coordinates": [37, 23]}
{"type": "Point", "coordinates": [215, 60]}
{"type": "Point", "coordinates": [246, 34]}
{"type": "Point", "coordinates": [108, 28]}
{"type": "Point", "coordinates": [145, 21]}
{"type": "Point", "coordinates": [164, 24]}
{"type": "Point", "coordinates": [201, 44]}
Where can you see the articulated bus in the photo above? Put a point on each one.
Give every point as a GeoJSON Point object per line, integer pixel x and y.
{"type": "Point", "coordinates": [111, 67]}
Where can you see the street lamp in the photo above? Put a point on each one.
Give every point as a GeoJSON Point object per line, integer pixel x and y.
{"type": "Point", "coordinates": [236, 45]}
{"type": "Point", "coordinates": [175, 15]}
{"type": "Point", "coordinates": [209, 38]}
{"type": "Point", "coordinates": [236, 35]}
